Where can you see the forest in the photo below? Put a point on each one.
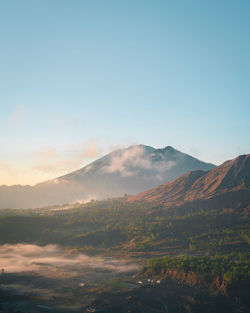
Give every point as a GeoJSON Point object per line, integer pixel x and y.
{"type": "Point", "coordinates": [203, 245]}
{"type": "Point", "coordinates": [230, 268]}
{"type": "Point", "coordinates": [136, 227]}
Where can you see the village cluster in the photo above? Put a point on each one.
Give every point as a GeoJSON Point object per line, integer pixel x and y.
{"type": "Point", "coordinates": [149, 281]}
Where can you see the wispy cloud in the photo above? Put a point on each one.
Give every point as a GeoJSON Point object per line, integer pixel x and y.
{"type": "Point", "coordinates": [8, 172]}
{"type": "Point", "coordinates": [29, 257]}
{"type": "Point", "coordinates": [5, 167]}
{"type": "Point", "coordinates": [130, 161]}
{"type": "Point", "coordinates": [92, 149]}
{"type": "Point", "coordinates": [48, 163]}
{"type": "Point", "coordinates": [17, 115]}
{"type": "Point", "coordinates": [77, 202]}
{"type": "Point", "coordinates": [126, 161]}
{"type": "Point", "coordinates": [50, 160]}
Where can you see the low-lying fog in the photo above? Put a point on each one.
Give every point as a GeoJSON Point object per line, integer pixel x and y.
{"type": "Point", "coordinates": [36, 278]}
{"type": "Point", "coordinates": [29, 257]}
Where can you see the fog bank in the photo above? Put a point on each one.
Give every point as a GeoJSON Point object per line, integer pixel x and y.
{"type": "Point", "coordinates": [29, 257]}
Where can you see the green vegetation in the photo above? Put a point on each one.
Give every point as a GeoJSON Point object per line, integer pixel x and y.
{"type": "Point", "coordinates": [231, 268]}
{"type": "Point", "coordinates": [140, 226]}
{"type": "Point", "coordinates": [206, 244]}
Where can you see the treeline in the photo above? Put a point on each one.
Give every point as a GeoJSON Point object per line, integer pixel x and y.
{"type": "Point", "coordinates": [231, 268]}
{"type": "Point", "coordinates": [148, 227]}
{"type": "Point", "coordinates": [139, 226]}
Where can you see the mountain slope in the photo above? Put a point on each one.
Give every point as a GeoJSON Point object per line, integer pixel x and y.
{"type": "Point", "coordinates": [231, 177]}
{"type": "Point", "coordinates": [129, 170]}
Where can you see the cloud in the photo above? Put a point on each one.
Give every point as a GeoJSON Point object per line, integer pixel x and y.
{"type": "Point", "coordinates": [49, 160]}
{"type": "Point", "coordinates": [92, 149]}
{"type": "Point", "coordinates": [6, 168]}
{"type": "Point", "coordinates": [48, 153]}
{"type": "Point", "coordinates": [76, 203]}
{"type": "Point", "coordinates": [7, 172]}
{"type": "Point", "coordinates": [125, 161]}
{"type": "Point", "coordinates": [17, 115]}
{"type": "Point", "coordinates": [29, 257]}
{"type": "Point", "coordinates": [48, 163]}
{"type": "Point", "coordinates": [130, 161]}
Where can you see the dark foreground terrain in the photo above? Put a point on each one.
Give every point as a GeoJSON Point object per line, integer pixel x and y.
{"type": "Point", "coordinates": [42, 279]}
{"type": "Point", "coordinates": [191, 235]}
{"type": "Point", "coordinates": [115, 295]}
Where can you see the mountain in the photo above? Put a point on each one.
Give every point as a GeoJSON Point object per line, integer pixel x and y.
{"type": "Point", "coordinates": [129, 170]}
{"type": "Point", "coordinates": [225, 185]}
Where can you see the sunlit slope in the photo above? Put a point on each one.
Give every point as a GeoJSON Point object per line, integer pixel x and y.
{"type": "Point", "coordinates": [129, 170]}
{"type": "Point", "coordinates": [228, 183]}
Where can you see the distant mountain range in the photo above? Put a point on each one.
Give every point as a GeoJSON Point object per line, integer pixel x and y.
{"type": "Point", "coordinates": [227, 185]}
{"type": "Point", "coordinates": [123, 171]}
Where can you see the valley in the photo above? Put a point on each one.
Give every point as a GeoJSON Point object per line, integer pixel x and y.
{"type": "Point", "coordinates": [180, 247]}
{"type": "Point", "coordinates": [124, 156]}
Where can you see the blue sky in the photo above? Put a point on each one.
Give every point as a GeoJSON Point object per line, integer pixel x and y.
{"type": "Point", "coordinates": [79, 78]}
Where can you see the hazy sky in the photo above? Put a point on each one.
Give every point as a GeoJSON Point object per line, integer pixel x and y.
{"type": "Point", "coordinates": [79, 78]}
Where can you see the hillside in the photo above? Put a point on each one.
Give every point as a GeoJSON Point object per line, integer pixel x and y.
{"type": "Point", "coordinates": [190, 238]}
{"type": "Point", "coordinates": [123, 171]}
{"type": "Point", "coordinates": [203, 211]}
{"type": "Point", "coordinates": [229, 181]}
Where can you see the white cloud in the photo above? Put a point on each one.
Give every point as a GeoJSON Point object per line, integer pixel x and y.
{"type": "Point", "coordinates": [129, 161]}
{"type": "Point", "coordinates": [88, 199]}
{"type": "Point", "coordinates": [126, 161]}
{"type": "Point", "coordinates": [29, 257]}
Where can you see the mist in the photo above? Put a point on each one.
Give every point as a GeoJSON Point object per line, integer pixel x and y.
{"type": "Point", "coordinates": [28, 257]}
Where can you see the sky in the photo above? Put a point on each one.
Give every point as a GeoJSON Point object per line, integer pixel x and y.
{"type": "Point", "coordinates": [81, 78]}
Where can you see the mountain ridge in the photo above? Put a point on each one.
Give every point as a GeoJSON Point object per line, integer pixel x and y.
{"type": "Point", "coordinates": [123, 171]}
{"type": "Point", "coordinates": [231, 176]}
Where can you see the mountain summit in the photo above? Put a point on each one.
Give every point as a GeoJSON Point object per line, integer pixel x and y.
{"type": "Point", "coordinates": [130, 170]}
